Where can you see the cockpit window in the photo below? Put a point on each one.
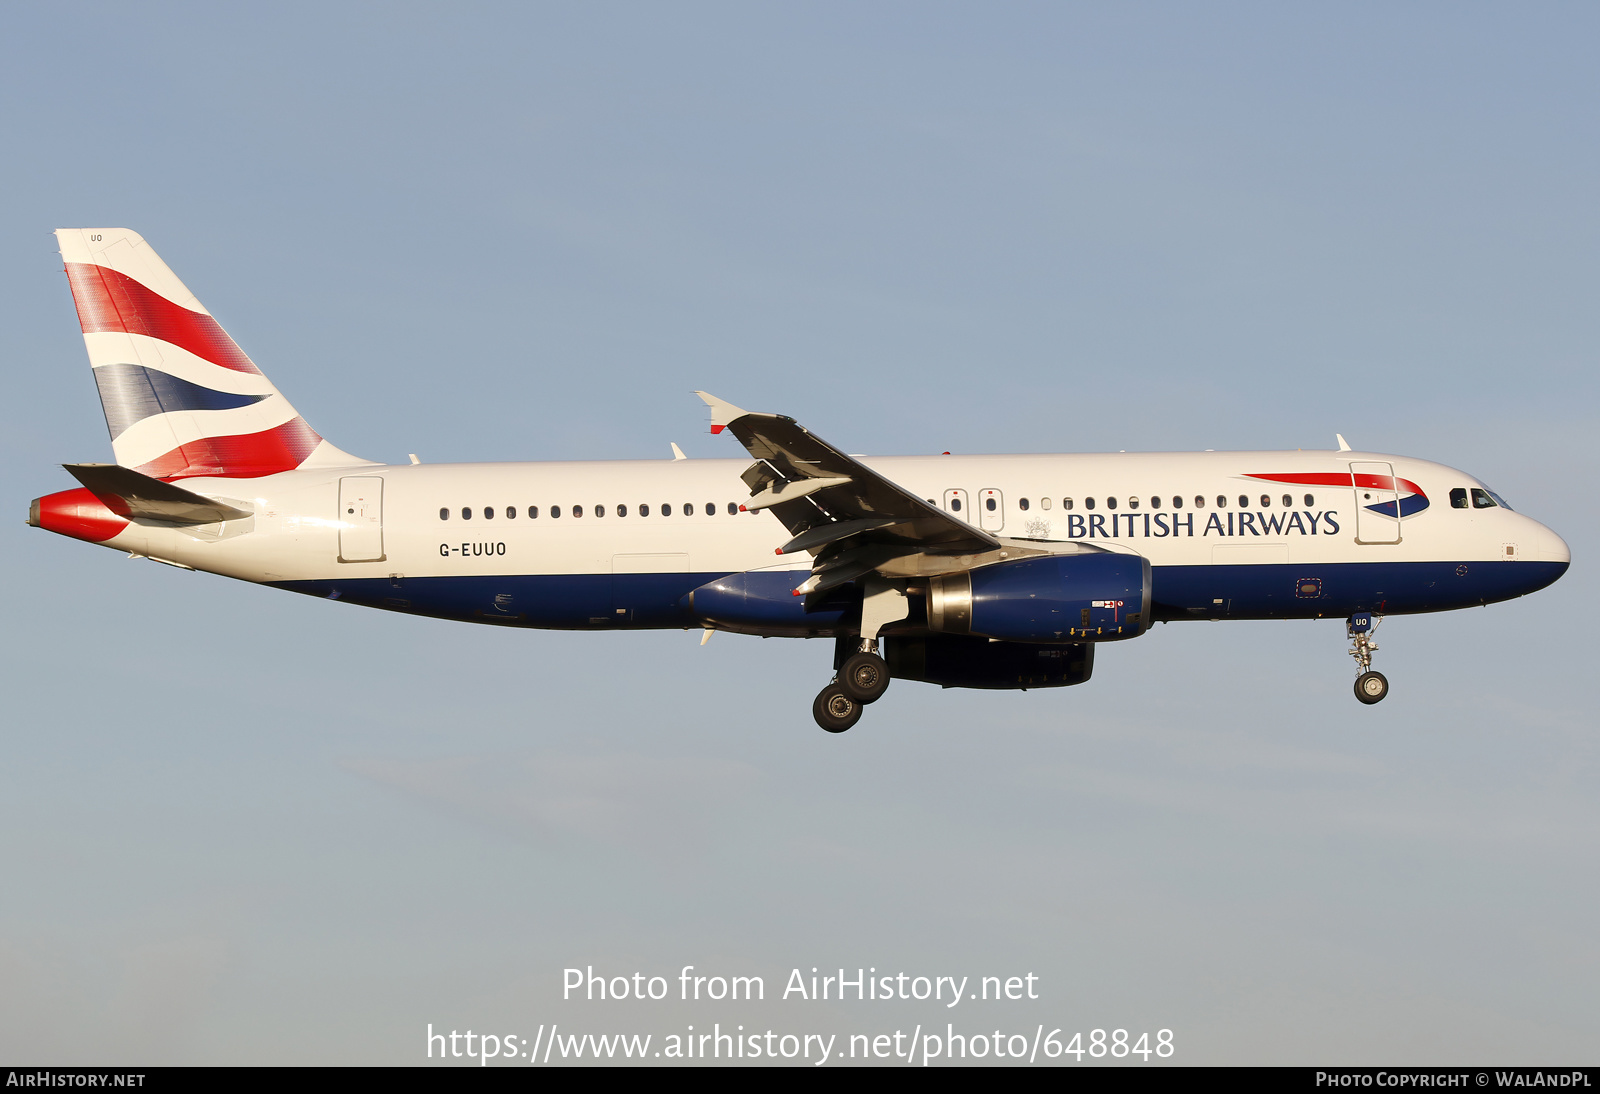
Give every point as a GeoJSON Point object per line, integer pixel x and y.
{"type": "Point", "coordinates": [1458, 498]}
{"type": "Point", "coordinates": [1498, 500]}
{"type": "Point", "coordinates": [1481, 499]}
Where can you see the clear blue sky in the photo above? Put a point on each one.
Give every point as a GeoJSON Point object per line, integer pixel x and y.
{"type": "Point", "coordinates": [237, 825]}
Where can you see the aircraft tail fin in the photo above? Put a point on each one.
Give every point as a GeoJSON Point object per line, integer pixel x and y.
{"type": "Point", "coordinates": [181, 399]}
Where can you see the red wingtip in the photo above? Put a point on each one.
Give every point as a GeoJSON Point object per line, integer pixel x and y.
{"type": "Point", "coordinates": [718, 428]}
{"type": "Point", "coordinates": [795, 593]}
{"type": "Point", "coordinates": [778, 551]}
{"type": "Point", "coordinates": [742, 509]}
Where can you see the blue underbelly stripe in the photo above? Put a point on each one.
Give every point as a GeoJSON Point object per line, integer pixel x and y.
{"type": "Point", "coordinates": [654, 601]}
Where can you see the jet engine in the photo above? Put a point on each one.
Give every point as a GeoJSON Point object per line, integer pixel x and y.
{"type": "Point", "coordinates": [1100, 597]}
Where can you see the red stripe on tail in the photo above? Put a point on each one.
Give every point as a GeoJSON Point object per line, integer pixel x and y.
{"type": "Point", "coordinates": [110, 301]}
{"type": "Point", "coordinates": [243, 456]}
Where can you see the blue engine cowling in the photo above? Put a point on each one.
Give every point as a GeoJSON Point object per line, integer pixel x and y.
{"type": "Point", "coordinates": [1099, 597]}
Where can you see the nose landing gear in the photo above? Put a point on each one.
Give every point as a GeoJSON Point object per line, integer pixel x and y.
{"type": "Point", "coordinates": [1371, 687]}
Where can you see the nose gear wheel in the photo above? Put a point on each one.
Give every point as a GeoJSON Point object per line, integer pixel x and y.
{"type": "Point", "coordinates": [1371, 687]}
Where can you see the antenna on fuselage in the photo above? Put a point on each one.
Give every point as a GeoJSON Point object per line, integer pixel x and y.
{"type": "Point", "coordinates": [677, 453]}
{"type": "Point", "coordinates": [1344, 445]}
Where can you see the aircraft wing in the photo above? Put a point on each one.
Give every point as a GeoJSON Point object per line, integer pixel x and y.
{"type": "Point", "coordinates": [848, 515]}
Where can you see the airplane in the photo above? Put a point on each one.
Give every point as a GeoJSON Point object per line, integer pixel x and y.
{"type": "Point", "coordinates": [1001, 572]}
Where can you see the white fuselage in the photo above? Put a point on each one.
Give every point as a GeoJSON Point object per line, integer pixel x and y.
{"type": "Point", "coordinates": [1180, 510]}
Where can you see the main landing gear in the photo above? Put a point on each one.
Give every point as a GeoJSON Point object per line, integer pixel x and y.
{"type": "Point", "coordinates": [1371, 687]}
{"type": "Point", "coordinates": [863, 677]}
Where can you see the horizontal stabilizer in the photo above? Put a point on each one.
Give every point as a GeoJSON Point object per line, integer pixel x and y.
{"type": "Point", "coordinates": [129, 494]}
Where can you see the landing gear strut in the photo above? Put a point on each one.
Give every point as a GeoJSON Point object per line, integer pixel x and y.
{"type": "Point", "coordinates": [862, 675]}
{"type": "Point", "coordinates": [1371, 687]}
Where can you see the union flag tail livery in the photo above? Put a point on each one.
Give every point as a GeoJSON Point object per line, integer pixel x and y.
{"type": "Point", "coordinates": [993, 572]}
{"type": "Point", "coordinates": [181, 399]}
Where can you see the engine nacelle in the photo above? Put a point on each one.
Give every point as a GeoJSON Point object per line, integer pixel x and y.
{"type": "Point", "coordinates": [1098, 597]}
{"type": "Point", "coordinates": [956, 661]}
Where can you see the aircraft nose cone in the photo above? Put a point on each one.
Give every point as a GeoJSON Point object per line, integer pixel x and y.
{"type": "Point", "coordinates": [1549, 547]}
{"type": "Point", "coordinates": [1543, 557]}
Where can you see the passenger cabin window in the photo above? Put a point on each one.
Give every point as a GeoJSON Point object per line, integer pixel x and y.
{"type": "Point", "coordinates": [666, 510]}
{"type": "Point", "coordinates": [1458, 498]}
{"type": "Point", "coordinates": [555, 512]}
{"type": "Point", "coordinates": [1022, 503]}
{"type": "Point", "coordinates": [988, 503]}
{"type": "Point", "coordinates": [599, 510]}
{"type": "Point", "coordinates": [1199, 502]}
{"type": "Point", "coordinates": [1155, 503]}
{"type": "Point", "coordinates": [1066, 503]}
{"type": "Point", "coordinates": [688, 508]}
{"type": "Point", "coordinates": [1288, 501]}
{"type": "Point", "coordinates": [533, 512]}
{"type": "Point", "coordinates": [711, 508]}
{"type": "Point", "coordinates": [1244, 501]}
{"type": "Point", "coordinates": [1044, 503]}
{"type": "Point", "coordinates": [444, 514]}
{"type": "Point", "coordinates": [733, 507]}
{"type": "Point", "coordinates": [1222, 501]}
{"type": "Point", "coordinates": [1133, 503]}
{"type": "Point", "coordinates": [466, 514]}
{"type": "Point", "coordinates": [1088, 503]}
{"type": "Point", "coordinates": [1111, 503]}
{"type": "Point", "coordinates": [488, 512]}
{"type": "Point", "coordinates": [1177, 501]}
{"type": "Point", "coordinates": [622, 510]}
{"type": "Point", "coordinates": [955, 505]}
{"type": "Point", "coordinates": [1266, 501]}
{"type": "Point", "coordinates": [577, 510]}
{"type": "Point", "coordinates": [511, 512]}
{"type": "Point", "coordinates": [1310, 501]}
{"type": "Point", "coordinates": [1481, 499]}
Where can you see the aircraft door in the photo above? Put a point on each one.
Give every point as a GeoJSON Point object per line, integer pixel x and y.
{"type": "Point", "coordinates": [1377, 502]}
{"type": "Point", "coordinates": [955, 502]}
{"type": "Point", "coordinates": [361, 519]}
{"type": "Point", "coordinates": [991, 510]}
